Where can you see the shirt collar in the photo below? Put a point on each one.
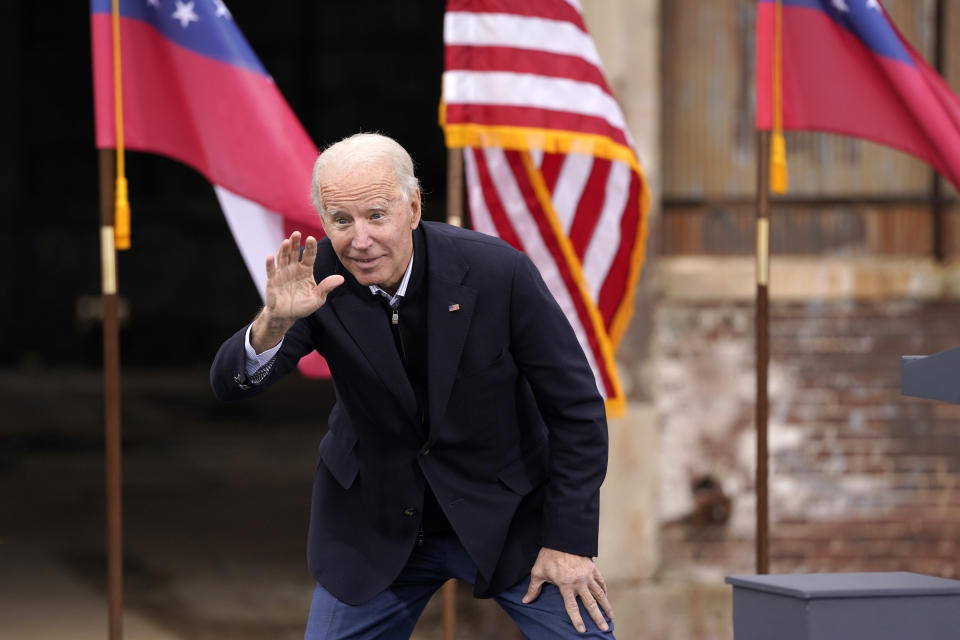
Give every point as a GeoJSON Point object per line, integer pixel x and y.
{"type": "Point", "coordinates": [394, 300]}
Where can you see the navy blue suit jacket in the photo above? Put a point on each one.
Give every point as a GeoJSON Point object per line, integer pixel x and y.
{"type": "Point", "coordinates": [517, 441]}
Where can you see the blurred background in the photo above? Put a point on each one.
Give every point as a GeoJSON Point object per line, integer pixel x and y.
{"type": "Point", "coordinates": [864, 269]}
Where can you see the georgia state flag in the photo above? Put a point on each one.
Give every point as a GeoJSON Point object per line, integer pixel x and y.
{"type": "Point", "coordinates": [194, 90]}
{"type": "Point", "coordinates": [847, 69]}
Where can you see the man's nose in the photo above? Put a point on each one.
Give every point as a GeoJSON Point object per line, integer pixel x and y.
{"type": "Point", "coordinates": [361, 237]}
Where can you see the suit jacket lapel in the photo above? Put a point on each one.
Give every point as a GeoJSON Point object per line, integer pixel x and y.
{"type": "Point", "coordinates": [367, 325]}
{"type": "Point", "coordinates": [450, 307]}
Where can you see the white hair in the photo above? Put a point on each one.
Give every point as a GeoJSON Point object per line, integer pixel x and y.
{"type": "Point", "coordinates": [365, 148]}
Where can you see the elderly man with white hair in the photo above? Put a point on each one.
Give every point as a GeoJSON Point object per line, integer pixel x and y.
{"type": "Point", "coordinates": [468, 439]}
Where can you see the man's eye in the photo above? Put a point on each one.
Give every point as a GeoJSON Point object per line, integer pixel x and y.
{"type": "Point", "coordinates": [376, 215]}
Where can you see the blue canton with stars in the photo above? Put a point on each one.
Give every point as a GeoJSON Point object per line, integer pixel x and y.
{"type": "Point", "coordinates": [863, 18]}
{"type": "Point", "coordinates": [202, 26]}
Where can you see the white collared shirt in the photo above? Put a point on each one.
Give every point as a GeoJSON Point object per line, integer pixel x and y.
{"type": "Point", "coordinates": [394, 300]}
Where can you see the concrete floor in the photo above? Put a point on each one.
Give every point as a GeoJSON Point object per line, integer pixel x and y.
{"type": "Point", "coordinates": [215, 515]}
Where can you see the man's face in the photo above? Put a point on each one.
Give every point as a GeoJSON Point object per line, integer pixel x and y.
{"type": "Point", "coordinates": [368, 222]}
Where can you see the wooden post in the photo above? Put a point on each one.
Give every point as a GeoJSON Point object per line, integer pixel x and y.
{"type": "Point", "coordinates": [455, 187]}
{"type": "Point", "coordinates": [454, 217]}
{"type": "Point", "coordinates": [763, 346]}
{"type": "Point", "coordinates": [936, 182]}
{"type": "Point", "coordinates": [449, 610]}
{"type": "Point", "coordinates": [111, 395]}
{"type": "Point", "coordinates": [936, 213]}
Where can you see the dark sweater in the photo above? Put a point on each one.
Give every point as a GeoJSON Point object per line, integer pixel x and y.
{"type": "Point", "coordinates": [410, 337]}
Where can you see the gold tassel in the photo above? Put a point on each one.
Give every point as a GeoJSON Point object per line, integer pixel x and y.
{"type": "Point", "coordinates": [778, 163]}
{"type": "Point", "coordinates": [121, 214]}
{"type": "Point", "coordinates": [121, 204]}
{"type": "Point", "coordinates": [778, 146]}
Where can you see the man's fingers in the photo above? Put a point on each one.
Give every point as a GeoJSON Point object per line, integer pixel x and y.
{"type": "Point", "coordinates": [270, 295]}
{"type": "Point", "coordinates": [601, 597]}
{"type": "Point", "coordinates": [533, 591]}
{"type": "Point", "coordinates": [573, 611]}
{"type": "Point", "coordinates": [589, 600]}
{"type": "Point", "coordinates": [599, 578]}
{"type": "Point", "coordinates": [309, 252]}
{"type": "Point", "coordinates": [295, 247]}
{"type": "Point", "coordinates": [328, 284]}
{"type": "Point", "coordinates": [331, 282]}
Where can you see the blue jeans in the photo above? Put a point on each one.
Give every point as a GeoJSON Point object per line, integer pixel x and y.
{"type": "Point", "coordinates": [393, 613]}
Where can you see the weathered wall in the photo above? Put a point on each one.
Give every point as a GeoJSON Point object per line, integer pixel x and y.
{"type": "Point", "coordinates": [861, 478]}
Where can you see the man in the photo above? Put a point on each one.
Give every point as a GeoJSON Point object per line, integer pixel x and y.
{"type": "Point", "coordinates": [468, 439]}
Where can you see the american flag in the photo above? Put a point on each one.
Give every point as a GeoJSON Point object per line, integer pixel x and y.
{"type": "Point", "coordinates": [549, 162]}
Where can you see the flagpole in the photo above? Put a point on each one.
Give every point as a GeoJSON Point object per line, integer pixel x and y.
{"type": "Point", "coordinates": [936, 183]}
{"type": "Point", "coordinates": [111, 394]}
{"type": "Point", "coordinates": [454, 217]}
{"type": "Point", "coordinates": [114, 234]}
{"type": "Point", "coordinates": [455, 187]}
{"type": "Point", "coordinates": [762, 332]}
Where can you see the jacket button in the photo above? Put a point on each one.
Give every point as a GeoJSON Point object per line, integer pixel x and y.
{"type": "Point", "coordinates": [425, 452]}
{"type": "Point", "coordinates": [409, 512]}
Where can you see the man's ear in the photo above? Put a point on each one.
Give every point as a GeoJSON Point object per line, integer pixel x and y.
{"type": "Point", "coordinates": [415, 209]}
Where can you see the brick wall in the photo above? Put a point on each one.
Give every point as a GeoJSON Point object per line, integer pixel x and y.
{"type": "Point", "coordinates": [862, 479]}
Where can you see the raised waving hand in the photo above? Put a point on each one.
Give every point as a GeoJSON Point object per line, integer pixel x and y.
{"type": "Point", "coordinates": [292, 291]}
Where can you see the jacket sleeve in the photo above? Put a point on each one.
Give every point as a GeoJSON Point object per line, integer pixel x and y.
{"type": "Point", "coordinates": [548, 354]}
{"type": "Point", "coordinates": [228, 373]}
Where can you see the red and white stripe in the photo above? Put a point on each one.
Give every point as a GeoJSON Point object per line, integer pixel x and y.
{"type": "Point", "coordinates": [525, 78]}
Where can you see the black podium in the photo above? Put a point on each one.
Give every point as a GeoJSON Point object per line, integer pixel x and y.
{"type": "Point", "coordinates": [933, 377]}
{"type": "Point", "coordinates": [845, 606]}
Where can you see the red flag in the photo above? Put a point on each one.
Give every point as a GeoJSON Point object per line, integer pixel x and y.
{"type": "Point", "coordinates": [194, 90]}
{"type": "Point", "coordinates": [847, 69]}
{"type": "Point", "coordinates": [549, 162]}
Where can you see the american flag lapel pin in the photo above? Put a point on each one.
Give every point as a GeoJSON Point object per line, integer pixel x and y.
{"type": "Point", "coordinates": [454, 307]}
